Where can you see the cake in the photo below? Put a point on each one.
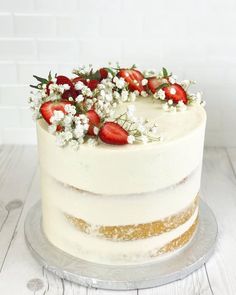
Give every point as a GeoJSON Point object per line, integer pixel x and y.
{"type": "Point", "coordinates": [120, 157]}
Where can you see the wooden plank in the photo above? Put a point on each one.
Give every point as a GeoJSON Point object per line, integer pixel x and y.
{"type": "Point", "coordinates": [29, 276]}
{"type": "Point", "coordinates": [17, 167]}
{"type": "Point", "coordinates": [219, 191]}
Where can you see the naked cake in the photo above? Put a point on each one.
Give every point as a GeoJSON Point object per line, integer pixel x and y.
{"type": "Point", "coordinates": [120, 155]}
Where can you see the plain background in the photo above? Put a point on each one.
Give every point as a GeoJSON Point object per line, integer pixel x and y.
{"type": "Point", "coordinates": [194, 39]}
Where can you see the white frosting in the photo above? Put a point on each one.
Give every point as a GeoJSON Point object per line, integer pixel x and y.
{"type": "Point", "coordinates": [66, 237]}
{"type": "Point", "coordinates": [130, 169]}
{"type": "Point", "coordinates": [122, 185]}
{"type": "Point", "coordinates": [123, 209]}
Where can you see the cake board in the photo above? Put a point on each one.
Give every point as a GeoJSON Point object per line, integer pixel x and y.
{"type": "Point", "coordinates": [126, 277]}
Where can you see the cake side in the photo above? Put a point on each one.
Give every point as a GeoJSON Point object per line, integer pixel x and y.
{"type": "Point", "coordinates": [107, 169]}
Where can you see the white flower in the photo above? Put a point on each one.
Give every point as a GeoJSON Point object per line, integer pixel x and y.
{"type": "Point", "coordinates": [172, 79]}
{"type": "Point", "coordinates": [203, 103]}
{"type": "Point", "coordinates": [108, 97]}
{"type": "Point", "coordinates": [144, 82]}
{"type": "Point", "coordinates": [91, 142]}
{"type": "Point", "coordinates": [165, 107]}
{"type": "Point", "coordinates": [74, 144]}
{"type": "Point", "coordinates": [170, 102]}
{"type": "Point", "coordinates": [66, 87]}
{"type": "Point", "coordinates": [161, 94]}
{"type": "Point", "coordinates": [79, 98]}
{"type": "Point", "coordinates": [116, 95]}
{"type": "Point", "coordinates": [172, 109]}
{"type": "Point", "coordinates": [79, 85]}
{"type": "Point", "coordinates": [172, 91]}
{"type": "Point", "coordinates": [198, 97]}
{"type": "Point", "coordinates": [144, 139]}
{"type": "Point", "coordinates": [95, 130]}
{"type": "Point", "coordinates": [124, 95]}
{"type": "Point", "coordinates": [144, 94]}
{"type": "Point", "coordinates": [141, 128]}
{"type": "Point", "coordinates": [181, 106]}
{"type": "Point", "coordinates": [154, 129]}
{"type": "Point", "coordinates": [120, 82]}
{"type": "Point", "coordinates": [87, 91]}
{"type": "Point", "coordinates": [70, 109]}
{"type": "Point", "coordinates": [56, 117]}
{"type": "Point", "coordinates": [132, 96]}
{"type": "Point", "coordinates": [68, 135]}
{"type": "Point", "coordinates": [52, 129]}
{"type": "Point", "coordinates": [130, 139]}
{"type": "Point", "coordinates": [67, 120]}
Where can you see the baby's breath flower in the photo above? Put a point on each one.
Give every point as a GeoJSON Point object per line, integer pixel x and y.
{"type": "Point", "coordinates": [79, 85]}
{"type": "Point", "coordinates": [161, 94]}
{"type": "Point", "coordinates": [130, 139]}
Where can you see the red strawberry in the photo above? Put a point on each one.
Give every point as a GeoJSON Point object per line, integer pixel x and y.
{"type": "Point", "coordinates": [72, 92]}
{"type": "Point", "coordinates": [92, 84]}
{"type": "Point", "coordinates": [77, 79]}
{"type": "Point", "coordinates": [49, 107]}
{"type": "Point", "coordinates": [103, 73]}
{"type": "Point", "coordinates": [113, 133]}
{"type": "Point", "coordinates": [133, 78]}
{"type": "Point", "coordinates": [94, 121]}
{"type": "Point", "coordinates": [60, 80]}
{"type": "Point", "coordinates": [176, 93]}
{"type": "Point", "coordinates": [153, 84]}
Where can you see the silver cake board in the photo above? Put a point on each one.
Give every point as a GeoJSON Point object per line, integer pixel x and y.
{"type": "Point", "coordinates": [126, 277]}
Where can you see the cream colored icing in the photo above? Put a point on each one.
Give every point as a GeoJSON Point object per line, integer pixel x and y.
{"type": "Point", "coordinates": [120, 209]}
{"type": "Point", "coordinates": [130, 169]}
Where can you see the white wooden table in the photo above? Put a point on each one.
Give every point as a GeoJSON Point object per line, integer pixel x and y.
{"type": "Point", "coordinates": [20, 274]}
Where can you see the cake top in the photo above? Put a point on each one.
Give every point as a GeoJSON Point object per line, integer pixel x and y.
{"type": "Point", "coordinates": [116, 106]}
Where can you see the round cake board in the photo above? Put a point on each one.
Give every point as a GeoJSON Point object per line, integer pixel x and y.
{"type": "Point", "coordinates": [125, 277]}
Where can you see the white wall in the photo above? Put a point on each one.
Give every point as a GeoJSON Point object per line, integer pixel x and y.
{"type": "Point", "coordinates": [195, 39]}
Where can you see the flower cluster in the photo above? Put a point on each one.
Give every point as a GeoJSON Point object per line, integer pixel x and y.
{"type": "Point", "coordinates": [77, 110]}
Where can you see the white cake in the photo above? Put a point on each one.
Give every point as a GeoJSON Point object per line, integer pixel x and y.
{"type": "Point", "coordinates": [132, 203]}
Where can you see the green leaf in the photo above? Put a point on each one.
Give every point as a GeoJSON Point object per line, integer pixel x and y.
{"type": "Point", "coordinates": [165, 73]}
{"type": "Point", "coordinates": [34, 86]}
{"type": "Point", "coordinates": [50, 76]}
{"type": "Point", "coordinates": [162, 86]}
{"type": "Point", "coordinates": [41, 80]}
{"type": "Point", "coordinates": [110, 71]}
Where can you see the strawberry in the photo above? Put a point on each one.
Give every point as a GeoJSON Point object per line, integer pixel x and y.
{"type": "Point", "coordinates": [60, 80]}
{"type": "Point", "coordinates": [113, 133]}
{"type": "Point", "coordinates": [92, 84]}
{"type": "Point", "coordinates": [103, 73]}
{"type": "Point", "coordinates": [133, 78]}
{"type": "Point", "coordinates": [94, 121]}
{"type": "Point", "coordinates": [47, 108]}
{"type": "Point", "coordinates": [72, 92]}
{"type": "Point", "coordinates": [153, 84]}
{"type": "Point", "coordinates": [176, 93]}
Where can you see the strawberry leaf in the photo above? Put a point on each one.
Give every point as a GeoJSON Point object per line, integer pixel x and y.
{"type": "Point", "coordinates": [165, 72]}
{"type": "Point", "coordinates": [41, 80]}
{"type": "Point", "coordinates": [162, 86]}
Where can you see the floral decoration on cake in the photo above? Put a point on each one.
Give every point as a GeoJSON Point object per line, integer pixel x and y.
{"type": "Point", "coordinates": [82, 109]}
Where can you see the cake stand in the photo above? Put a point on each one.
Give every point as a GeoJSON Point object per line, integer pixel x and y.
{"type": "Point", "coordinates": [126, 277]}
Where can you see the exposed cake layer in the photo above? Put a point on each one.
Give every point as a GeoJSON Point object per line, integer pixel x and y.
{"type": "Point", "coordinates": [87, 246]}
{"type": "Point", "coordinates": [135, 231]}
{"type": "Point", "coordinates": [130, 169]}
{"type": "Point", "coordinates": [118, 210]}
